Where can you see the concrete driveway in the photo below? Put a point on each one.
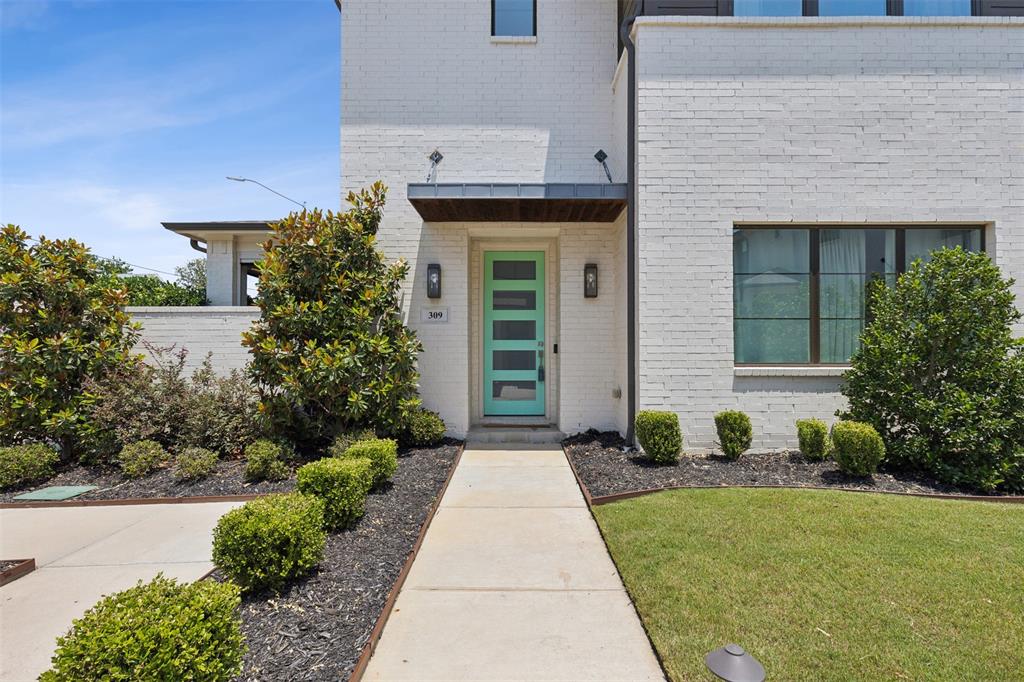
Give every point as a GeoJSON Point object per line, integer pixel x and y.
{"type": "Point", "coordinates": [513, 582]}
{"type": "Point", "coordinates": [83, 553]}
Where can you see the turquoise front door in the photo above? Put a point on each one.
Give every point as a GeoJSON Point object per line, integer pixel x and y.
{"type": "Point", "coordinates": [514, 333]}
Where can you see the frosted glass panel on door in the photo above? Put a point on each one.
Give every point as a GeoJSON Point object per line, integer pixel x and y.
{"type": "Point", "coordinates": [514, 390]}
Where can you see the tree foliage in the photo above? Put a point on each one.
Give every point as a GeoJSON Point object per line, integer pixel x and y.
{"type": "Point", "coordinates": [330, 350]}
{"type": "Point", "coordinates": [61, 322]}
{"type": "Point", "coordinates": [940, 375]}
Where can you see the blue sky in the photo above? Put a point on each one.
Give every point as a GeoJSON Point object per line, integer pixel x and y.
{"type": "Point", "coordinates": [119, 114]}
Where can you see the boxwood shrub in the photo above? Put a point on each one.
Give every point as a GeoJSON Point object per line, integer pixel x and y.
{"type": "Point", "coordinates": [659, 435]}
{"type": "Point", "coordinates": [267, 461]}
{"type": "Point", "coordinates": [160, 630]}
{"type": "Point", "coordinates": [813, 437]}
{"type": "Point", "coordinates": [383, 456]}
{"type": "Point", "coordinates": [21, 464]}
{"type": "Point", "coordinates": [857, 447]}
{"type": "Point", "coordinates": [341, 483]}
{"type": "Point", "coordinates": [194, 463]}
{"type": "Point", "coordinates": [734, 432]}
{"type": "Point", "coordinates": [349, 437]}
{"type": "Point", "coordinates": [139, 459]}
{"type": "Point", "coordinates": [423, 428]}
{"type": "Point", "coordinates": [267, 542]}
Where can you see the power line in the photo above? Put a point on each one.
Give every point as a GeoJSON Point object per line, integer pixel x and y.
{"type": "Point", "coordinates": [119, 260]}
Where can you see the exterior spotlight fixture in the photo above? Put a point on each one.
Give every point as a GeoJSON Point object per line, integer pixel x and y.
{"type": "Point", "coordinates": [590, 280]}
{"type": "Point", "coordinates": [733, 664]}
{"type": "Point", "coordinates": [434, 280]}
{"type": "Point", "coordinates": [435, 157]}
{"type": "Point", "coordinates": [602, 159]}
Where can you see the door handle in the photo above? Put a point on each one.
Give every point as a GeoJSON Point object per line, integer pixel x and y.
{"type": "Point", "coordinates": [540, 366]}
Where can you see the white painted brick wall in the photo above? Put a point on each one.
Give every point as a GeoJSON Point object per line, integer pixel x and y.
{"type": "Point", "coordinates": [809, 120]}
{"type": "Point", "coordinates": [216, 330]}
{"type": "Point", "coordinates": [424, 74]}
{"type": "Point", "coordinates": [591, 344]}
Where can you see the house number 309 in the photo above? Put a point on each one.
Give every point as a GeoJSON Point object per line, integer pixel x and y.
{"type": "Point", "coordinates": [434, 314]}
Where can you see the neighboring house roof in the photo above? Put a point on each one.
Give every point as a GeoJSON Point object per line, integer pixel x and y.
{"type": "Point", "coordinates": [201, 231]}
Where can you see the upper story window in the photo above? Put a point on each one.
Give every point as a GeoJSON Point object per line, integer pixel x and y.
{"type": "Point", "coordinates": [937, 8]}
{"type": "Point", "coordinates": [768, 8]}
{"type": "Point", "coordinates": [513, 17]}
{"type": "Point", "coordinates": [799, 293]}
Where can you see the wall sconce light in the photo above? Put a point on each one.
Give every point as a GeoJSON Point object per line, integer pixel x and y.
{"type": "Point", "coordinates": [590, 280]}
{"type": "Point", "coordinates": [434, 280]}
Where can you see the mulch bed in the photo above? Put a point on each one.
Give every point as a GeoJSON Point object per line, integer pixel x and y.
{"type": "Point", "coordinates": [227, 478]}
{"type": "Point", "coordinates": [316, 629]}
{"type": "Point", "coordinates": [606, 469]}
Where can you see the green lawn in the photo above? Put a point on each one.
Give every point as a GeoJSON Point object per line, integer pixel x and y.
{"type": "Point", "coordinates": [823, 585]}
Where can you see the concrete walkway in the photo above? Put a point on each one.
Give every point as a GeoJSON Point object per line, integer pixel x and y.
{"type": "Point", "coordinates": [82, 554]}
{"type": "Point", "coordinates": [513, 582]}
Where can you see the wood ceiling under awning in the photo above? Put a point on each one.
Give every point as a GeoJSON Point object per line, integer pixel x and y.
{"type": "Point", "coordinates": [531, 203]}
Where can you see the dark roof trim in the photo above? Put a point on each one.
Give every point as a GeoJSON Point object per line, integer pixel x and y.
{"type": "Point", "coordinates": [220, 225]}
{"type": "Point", "coordinates": [518, 202]}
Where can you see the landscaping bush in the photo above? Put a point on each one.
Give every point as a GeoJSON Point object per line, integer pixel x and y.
{"type": "Point", "coordinates": [138, 459]}
{"type": "Point", "coordinates": [194, 463]}
{"type": "Point", "coordinates": [813, 437]}
{"type": "Point", "coordinates": [857, 448]}
{"type": "Point", "coordinates": [659, 435]}
{"type": "Point", "coordinates": [267, 542]}
{"type": "Point", "coordinates": [734, 432]}
{"type": "Point", "coordinates": [21, 464]}
{"type": "Point", "coordinates": [330, 349]}
{"type": "Point", "coordinates": [383, 456]}
{"type": "Point", "coordinates": [267, 461]}
{"type": "Point", "coordinates": [423, 428]}
{"type": "Point", "coordinates": [158, 401]}
{"type": "Point", "coordinates": [346, 439]}
{"type": "Point", "coordinates": [940, 375]}
{"type": "Point", "coordinates": [160, 630]}
{"type": "Point", "coordinates": [341, 483]}
{"type": "Point", "coordinates": [61, 323]}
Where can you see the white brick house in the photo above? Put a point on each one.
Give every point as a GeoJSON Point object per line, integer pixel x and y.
{"type": "Point", "coordinates": [776, 163]}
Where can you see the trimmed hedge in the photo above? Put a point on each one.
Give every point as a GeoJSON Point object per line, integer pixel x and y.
{"type": "Point", "coordinates": [266, 461]}
{"type": "Point", "coordinates": [20, 464]}
{"type": "Point", "coordinates": [160, 630]}
{"type": "Point", "coordinates": [346, 439]}
{"type": "Point", "coordinates": [659, 435]}
{"type": "Point", "coordinates": [138, 459]}
{"type": "Point", "coordinates": [383, 456]}
{"type": "Point", "coordinates": [813, 437]}
{"type": "Point", "coordinates": [734, 432]}
{"type": "Point", "coordinates": [193, 463]}
{"type": "Point", "coordinates": [267, 542]}
{"type": "Point", "coordinates": [857, 447]}
{"type": "Point", "coordinates": [423, 428]}
{"type": "Point", "coordinates": [342, 484]}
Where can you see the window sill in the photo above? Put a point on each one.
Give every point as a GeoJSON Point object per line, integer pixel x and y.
{"type": "Point", "coordinates": [514, 40]}
{"type": "Point", "coordinates": [808, 371]}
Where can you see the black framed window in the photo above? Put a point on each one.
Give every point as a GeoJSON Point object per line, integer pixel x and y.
{"type": "Point", "coordinates": [513, 18]}
{"type": "Point", "coordinates": [799, 292]}
{"type": "Point", "coordinates": [838, 8]}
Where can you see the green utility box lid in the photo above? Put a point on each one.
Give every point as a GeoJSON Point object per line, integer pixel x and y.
{"type": "Point", "coordinates": [56, 492]}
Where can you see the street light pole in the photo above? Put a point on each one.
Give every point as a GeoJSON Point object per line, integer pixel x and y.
{"type": "Point", "coordinates": [269, 189]}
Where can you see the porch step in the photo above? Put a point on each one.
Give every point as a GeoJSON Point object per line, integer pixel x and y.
{"type": "Point", "coordinates": [514, 434]}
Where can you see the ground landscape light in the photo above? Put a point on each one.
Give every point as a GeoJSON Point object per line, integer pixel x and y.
{"type": "Point", "coordinates": [733, 664]}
